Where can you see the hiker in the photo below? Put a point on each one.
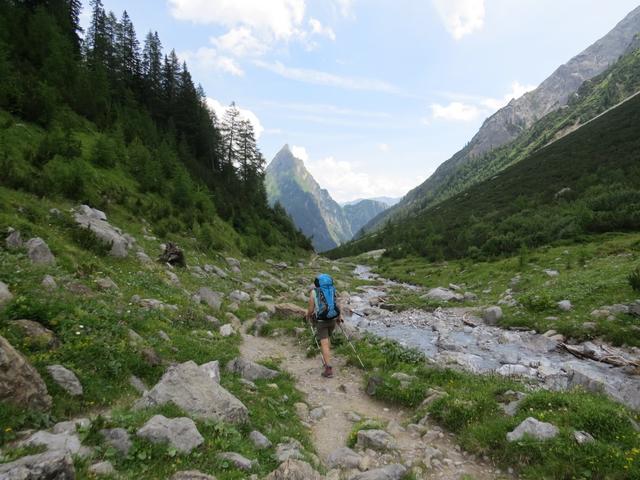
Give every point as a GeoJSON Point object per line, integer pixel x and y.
{"type": "Point", "coordinates": [324, 313]}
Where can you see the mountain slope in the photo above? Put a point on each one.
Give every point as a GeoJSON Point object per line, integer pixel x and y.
{"type": "Point", "coordinates": [509, 122]}
{"type": "Point", "coordinates": [360, 212]}
{"type": "Point", "coordinates": [312, 209]}
{"type": "Point", "coordinates": [587, 182]}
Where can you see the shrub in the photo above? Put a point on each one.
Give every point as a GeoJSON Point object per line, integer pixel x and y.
{"type": "Point", "coordinates": [68, 177]}
{"type": "Point", "coordinates": [634, 279]}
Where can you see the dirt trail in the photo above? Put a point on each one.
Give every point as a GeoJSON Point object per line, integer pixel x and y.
{"type": "Point", "coordinates": [344, 394]}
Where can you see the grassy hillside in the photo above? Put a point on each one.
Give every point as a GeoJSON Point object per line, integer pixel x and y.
{"type": "Point", "coordinates": [588, 182]}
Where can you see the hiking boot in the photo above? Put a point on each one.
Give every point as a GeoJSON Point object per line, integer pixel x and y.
{"type": "Point", "coordinates": [328, 372]}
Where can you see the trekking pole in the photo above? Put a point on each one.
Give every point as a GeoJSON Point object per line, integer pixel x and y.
{"type": "Point", "coordinates": [352, 347]}
{"type": "Point", "coordinates": [315, 339]}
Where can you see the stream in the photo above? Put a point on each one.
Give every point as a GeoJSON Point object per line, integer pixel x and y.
{"type": "Point", "coordinates": [445, 338]}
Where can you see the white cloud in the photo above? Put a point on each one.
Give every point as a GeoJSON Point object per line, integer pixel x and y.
{"type": "Point", "coordinates": [317, 77]}
{"type": "Point", "coordinates": [345, 181]}
{"type": "Point", "coordinates": [383, 147]}
{"type": "Point", "coordinates": [345, 7]}
{"type": "Point", "coordinates": [278, 18]}
{"type": "Point", "coordinates": [318, 29]}
{"type": "Point", "coordinates": [220, 110]}
{"type": "Point", "coordinates": [300, 152]}
{"type": "Point", "coordinates": [517, 90]}
{"type": "Point", "coordinates": [461, 17]}
{"type": "Point", "coordinates": [240, 42]}
{"type": "Point", "coordinates": [209, 59]}
{"type": "Point", "coordinates": [455, 112]}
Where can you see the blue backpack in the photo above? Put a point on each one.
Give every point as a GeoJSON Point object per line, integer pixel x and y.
{"type": "Point", "coordinates": [325, 298]}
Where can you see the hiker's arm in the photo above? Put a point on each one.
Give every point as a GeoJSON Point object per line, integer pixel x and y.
{"type": "Point", "coordinates": [311, 307]}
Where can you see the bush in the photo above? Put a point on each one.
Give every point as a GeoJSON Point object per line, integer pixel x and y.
{"type": "Point", "coordinates": [634, 279]}
{"type": "Point", "coordinates": [68, 177]}
{"type": "Point", "coordinates": [104, 153]}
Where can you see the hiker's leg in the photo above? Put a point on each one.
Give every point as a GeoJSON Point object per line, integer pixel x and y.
{"type": "Point", "coordinates": [324, 346]}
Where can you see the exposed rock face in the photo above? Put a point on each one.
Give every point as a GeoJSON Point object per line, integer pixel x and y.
{"type": "Point", "coordinates": [66, 379]}
{"type": "Point", "coordinates": [390, 472]}
{"type": "Point", "coordinates": [45, 466]}
{"type": "Point", "coordinates": [534, 428]}
{"type": "Point", "coordinates": [39, 253]}
{"type": "Point", "coordinates": [181, 433]}
{"type": "Point", "coordinates": [294, 470]}
{"type": "Point", "coordinates": [250, 370]}
{"type": "Point", "coordinates": [20, 383]}
{"type": "Point", "coordinates": [96, 221]}
{"type": "Point", "coordinates": [5, 294]}
{"type": "Point", "coordinates": [37, 334]}
{"type": "Point", "coordinates": [193, 390]}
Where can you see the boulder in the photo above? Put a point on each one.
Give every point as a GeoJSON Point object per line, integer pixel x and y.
{"type": "Point", "coordinates": [492, 315]}
{"type": "Point", "coordinates": [14, 240]}
{"type": "Point", "coordinates": [102, 468]}
{"type": "Point", "coordinates": [238, 461]}
{"type": "Point", "coordinates": [226, 330]}
{"type": "Point", "coordinates": [106, 284]}
{"type": "Point", "coordinates": [96, 221]}
{"type": "Point", "coordinates": [56, 465]}
{"type": "Point", "coordinates": [552, 273]}
{"type": "Point", "coordinates": [291, 449]}
{"type": "Point", "coordinates": [191, 475]}
{"type": "Point", "coordinates": [394, 471]}
{"type": "Point", "coordinates": [235, 322]}
{"type": "Point", "coordinates": [250, 370]}
{"type": "Point", "coordinates": [181, 433]}
{"type": "Point", "coordinates": [212, 369]}
{"type": "Point", "coordinates": [259, 440]}
{"type": "Point", "coordinates": [534, 428]}
{"type": "Point", "coordinates": [172, 278]}
{"type": "Point", "coordinates": [239, 296]}
{"type": "Point", "coordinates": [117, 438]}
{"type": "Point", "coordinates": [37, 334]}
{"type": "Point", "coordinates": [289, 310]}
{"type": "Point", "coordinates": [373, 383]}
{"type": "Point", "coordinates": [211, 298]}
{"type": "Point", "coordinates": [583, 437]}
{"type": "Point", "coordinates": [376, 440]}
{"type": "Point", "coordinates": [443, 295]}
{"type": "Point", "coordinates": [343, 457]}
{"type": "Point", "coordinates": [66, 379]}
{"type": "Point", "coordinates": [39, 253]}
{"type": "Point", "coordinates": [192, 389]}
{"type": "Point", "coordinates": [233, 262]}
{"type": "Point", "coordinates": [294, 469]}
{"type": "Point", "coordinates": [172, 255]}
{"type": "Point", "coordinates": [71, 426]}
{"type": "Point", "coordinates": [64, 442]}
{"type": "Point", "coordinates": [317, 413]}
{"type": "Point", "coordinates": [20, 383]}
{"type": "Point", "coordinates": [138, 384]}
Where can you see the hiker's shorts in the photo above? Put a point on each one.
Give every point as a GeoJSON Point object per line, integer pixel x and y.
{"type": "Point", "coordinates": [324, 328]}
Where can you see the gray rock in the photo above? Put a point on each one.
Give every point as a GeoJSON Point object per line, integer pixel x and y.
{"type": "Point", "coordinates": [373, 383]}
{"type": "Point", "coordinates": [390, 472]}
{"type": "Point", "coordinates": [39, 253]}
{"type": "Point", "coordinates": [106, 284]}
{"type": "Point", "coordinates": [173, 278]}
{"type": "Point", "coordinates": [534, 428]}
{"type": "Point", "coordinates": [565, 305]}
{"type": "Point", "coordinates": [317, 413]}
{"type": "Point", "coordinates": [492, 315]}
{"type": "Point", "coordinates": [233, 320]}
{"type": "Point", "coordinates": [293, 469]}
{"type": "Point", "coordinates": [138, 384]}
{"type": "Point", "coordinates": [290, 311]}
{"type": "Point", "coordinates": [238, 461]}
{"type": "Point", "coordinates": [343, 457]}
{"type": "Point", "coordinates": [583, 437]}
{"type": "Point", "coordinates": [117, 438]}
{"type": "Point", "coordinates": [259, 440]}
{"type": "Point", "coordinates": [102, 468]}
{"type": "Point", "coordinates": [250, 370]}
{"type": "Point", "coordinates": [212, 369]}
{"type": "Point", "coordinates": [14, 240]}
{"type": "Point", "coordinates": [71, 426]}
{"type": "Point", "coordinates": [353, 417]}
{"type": "Point", "coordinates": [291, 449]}
{"type": "Point", "coordinates": [376, 440]}
{"type": "Point", "coordinates": [191, 475]}
{"type": "Point", "coordinates": [49, 283]}
{"type": "Point", "coordinates": [443, 295]}
{"type": "Point", "coordinates": [193, 390]}
{"type": "Point", "coordinates": [219, 272]}
{"type": "Point", "coordinates": [20, 383]}
{"type": "Point", "coordinates": [211, 298]}
{"type": "Point", "coordinates": [96, 221]}
{"type": "Point", "coordinates": [56, 465]}
{"type": "Point", "coordinates": [302, 410]}
{"type": "Point", "coordinates": [163, 335]}
{"type": "Point", "coordinates": [233, 262]}
{"type": "Point", "coordinates": [181, 433]}
{"type": "Point", "coordinates": [37, 334]}
{"type": "Point", "coordinates": [5, 295]}
{"type": "Point", "coordinates": [226, 330]}
{"type": "Point", "coordinates": [239, 296]}
{"type": "Point", "coordinates": [64, 442]}
{"type": "Point", "coordinates": [552, 273]}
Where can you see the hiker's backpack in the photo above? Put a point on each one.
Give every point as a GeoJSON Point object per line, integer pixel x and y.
{"type": "Point", "coordinates": [325, 298]}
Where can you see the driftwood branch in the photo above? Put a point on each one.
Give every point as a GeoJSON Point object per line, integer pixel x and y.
{"type": "Point", "coordinates": [603, 354]}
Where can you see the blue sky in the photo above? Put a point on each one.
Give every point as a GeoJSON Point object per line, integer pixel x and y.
{"type": "Point", "coordinates": [372, 94]}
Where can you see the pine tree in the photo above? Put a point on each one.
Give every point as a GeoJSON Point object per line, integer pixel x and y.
{"type": "Point", "coordinates": [229, 129]}
{"type": "Point", "coordinates": [128, 50]}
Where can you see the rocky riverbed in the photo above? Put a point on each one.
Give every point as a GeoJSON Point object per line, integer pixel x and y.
{"type": "Point", "coordinates": [459, 338]}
